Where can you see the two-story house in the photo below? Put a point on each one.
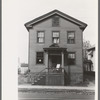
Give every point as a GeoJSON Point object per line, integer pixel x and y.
{"type": "Point", "coordinates": [55, 48]}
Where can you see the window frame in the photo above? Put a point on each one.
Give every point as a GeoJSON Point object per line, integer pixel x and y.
{"type": "Point", "coordinates": [37, 58]}
{"type": "Point", "coordinates": [40, 37]}
{"type": "Point", "coordinates": [68, 32]}
{"type": "Point", "coordinates": [71, 58]}
{"type": "Point", "coordinates": [53, 20]}
{"type": "Point", "coordinates": [56, 37]}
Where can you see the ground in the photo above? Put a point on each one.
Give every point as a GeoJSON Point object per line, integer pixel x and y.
{"type": "Point", "coordinates": [55, 93]}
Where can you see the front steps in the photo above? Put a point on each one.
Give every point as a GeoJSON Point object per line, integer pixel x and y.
{"type": "Point", "coordinates": [40, 81]}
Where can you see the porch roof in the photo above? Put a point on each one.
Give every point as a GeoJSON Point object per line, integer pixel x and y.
{"type": "Point", "coordinates": [55, 47]}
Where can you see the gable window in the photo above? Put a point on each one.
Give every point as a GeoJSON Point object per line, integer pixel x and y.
{"type": "Point", "coordinates": [71, 37]}
{"type": "Point", "coordinates": [40, 36]}
{"type": "Point", "coordinates": [71, 58]}
{"type": "Point", "coordinates": [39, 58]}
{"type": "Point", "coordinates": [55, 21]}
{"type": "Point", "coordinates": [55, 37]}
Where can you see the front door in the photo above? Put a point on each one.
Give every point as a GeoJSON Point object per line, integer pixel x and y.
{"type": "Point", "coordinates": [54, 60]}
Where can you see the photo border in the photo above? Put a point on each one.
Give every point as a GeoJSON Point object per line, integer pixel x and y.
{"type": "Point", "coordinates": [98, 49]}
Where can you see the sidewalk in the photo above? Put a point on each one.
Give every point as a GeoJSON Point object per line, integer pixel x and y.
{"type": "Point", "coordinates": [55, 87]}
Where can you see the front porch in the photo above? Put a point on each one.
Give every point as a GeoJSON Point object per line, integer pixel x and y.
{"type": "Point", "coordinates": [55, 65]}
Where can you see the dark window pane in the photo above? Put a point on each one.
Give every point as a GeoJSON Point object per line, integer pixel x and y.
{"type": "Point", "coordinates": [71, 58]}
{"type": "Point", "coordinates": [40, 61]}
{"type": "Point", "coordinates": [39, 58]}
{"type": "Point", "coordinates": [71, 62]}
{"type": "Point", "coordinates": [55, 21]}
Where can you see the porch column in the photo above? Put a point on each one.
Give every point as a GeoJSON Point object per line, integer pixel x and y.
{"type": "Point", "coordinates": [46, 59]}
{"type": "Point", "coordinates": [62, 62]}
{"type": "Point", "coordinates": [46, 63]}
{"type": "Point", "coordinates": [62, 65]}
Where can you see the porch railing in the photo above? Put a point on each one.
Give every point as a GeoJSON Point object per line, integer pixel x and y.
{"type": "Point", "coordinates": [55, 70]}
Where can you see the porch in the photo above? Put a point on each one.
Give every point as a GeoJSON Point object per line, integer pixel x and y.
{"type": "Point", "coordinates": [55, 64]}
{"type": "Point", "coordinates": [48, 76]}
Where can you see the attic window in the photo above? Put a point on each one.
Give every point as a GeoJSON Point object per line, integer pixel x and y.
{"type": "Point", "coordinates": [55, 21]}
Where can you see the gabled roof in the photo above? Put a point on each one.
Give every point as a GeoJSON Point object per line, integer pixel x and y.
{"type": "Point", "coordinates": [29, 24]}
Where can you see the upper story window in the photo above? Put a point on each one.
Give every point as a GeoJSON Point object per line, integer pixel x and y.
{"type": "Point", "coordinates": [71, 37]}
{"type": "Point", "coordinates": [39, 58]}
{"type": "Point", "coordinates": [71, 58]}
{"type": "Point", "coordinates": [55, 37]}
{"type": "Point", "coordinates": [40, 36]}
{"type": "Point", "coordinates": [55, 21]}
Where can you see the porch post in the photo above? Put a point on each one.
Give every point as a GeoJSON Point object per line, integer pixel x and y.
{"type": "Point", "coordinates": [47, 68]}
{"type": "Point", "coordinates": [46, 59]}
{"type": "Point", "coordinates": [62, 65]}
{"type": "Point", "coordinates": [62, 62]}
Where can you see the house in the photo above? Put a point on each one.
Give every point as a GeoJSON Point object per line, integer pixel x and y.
{"type": "Point", "coordinates": [91, 59]}
{"type": "Point", "coordinates": [55, 49]}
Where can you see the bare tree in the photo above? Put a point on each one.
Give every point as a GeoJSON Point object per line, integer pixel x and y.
{"type": "Point", "coordinates": [86, 45]}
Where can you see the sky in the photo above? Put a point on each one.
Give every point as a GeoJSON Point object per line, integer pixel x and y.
{"type": "Point", "coordinates": [15, 13]}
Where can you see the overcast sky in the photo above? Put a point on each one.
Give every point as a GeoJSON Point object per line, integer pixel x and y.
{"type": "Point", "coordinates": [17, 12]}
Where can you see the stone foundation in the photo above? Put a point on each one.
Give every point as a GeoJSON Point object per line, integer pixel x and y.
{"type": "Point", "coordinates": [76, 78]}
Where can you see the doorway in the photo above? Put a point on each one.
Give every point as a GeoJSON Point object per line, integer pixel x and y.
{"type": "Point", "coordinates": [54, 60]}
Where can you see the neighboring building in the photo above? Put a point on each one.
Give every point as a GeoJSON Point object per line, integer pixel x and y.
{"type": "Point", "coordinates": [91, 57]}
{"type": "Point", "coordinates": [55, 42]}
{"type": "Point", "coordinates": [89, 62]}
{"type": "Point", "coordinates": [23, 68]}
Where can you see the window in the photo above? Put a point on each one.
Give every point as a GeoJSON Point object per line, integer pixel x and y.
{"type": "Point", "coordinates": [55, 37]}
{"type": "Point", "coordinates": [71, 58]}
{"type": "Point", "coordinates": [71, 37]}
{"type": "Point", "coordinates": [39, 57]}
{"type": "Point", "coordinates": [55, 21]}
{"type": "Point", "coordinates": [40, 37]}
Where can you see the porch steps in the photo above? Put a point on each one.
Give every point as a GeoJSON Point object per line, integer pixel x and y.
{"type": "Point", "coordinates": [40, 81]}
{"type": "Point", "coordinates": [50, 76]}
